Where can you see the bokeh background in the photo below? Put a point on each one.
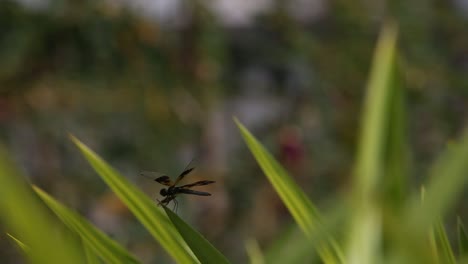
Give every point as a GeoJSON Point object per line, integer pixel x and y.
{"type": "Point", "coordinates": [151, 85]}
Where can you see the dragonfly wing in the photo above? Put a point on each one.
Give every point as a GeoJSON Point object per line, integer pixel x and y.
{"type": "Point", "coordinates": [188, 191]}
{"type": "Point", "coordinates": [198, 183]}
{"type": "Point", "coordinates": [189, 168]}
{"type": "Point", "coordinates": [152, 174]}
{"type": "Point", "coordinates": [164, 180]}
{"type": "Point", "coordinates": [156, 176]}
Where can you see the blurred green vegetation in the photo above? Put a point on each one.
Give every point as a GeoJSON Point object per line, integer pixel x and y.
{"type": "Point", "coordinates": [150, 94]}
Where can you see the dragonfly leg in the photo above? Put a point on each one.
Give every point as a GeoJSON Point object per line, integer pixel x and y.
{"type": "Point", "coordinates": [176, 206]}
{"type": "Point", "coordinates": [163, 202]}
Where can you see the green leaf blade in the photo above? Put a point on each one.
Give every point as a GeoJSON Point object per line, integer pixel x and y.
{"type": "Point", "coordinates": [95, 239]}
{"type": "Point", "coordinates": [365, 226]}
{"type": "Point", "coordinates": [254, 252]}
{"type": "Point", "coordinates": [23, 215]}
{"type": "Point", "coordinates": [142, 207]}
{"type": "Point", "coordinates": [443, 243]}
{"type": "Point", "coordinates": [20, 244]}
{"type": "Point", "coordinates": [447, 180]}
{"type": "Point", "coordinates": [90, 254]}
{"type": "Point", "coordinates": [204, 250]}
{"type": "Point", "coordinates": [301, 208]}
{"type": "Point", "coordinates": [462, 238]}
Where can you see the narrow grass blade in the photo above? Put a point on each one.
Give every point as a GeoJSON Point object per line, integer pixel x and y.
{"type": "Point", "coordinates": [254, 252]}
{"type": "Point", "coordinates": [204, 251]}
{"type": "Point", "coordinates": [447, 180]}
{"type": "Point", "coordinates": [394, 184]}
{"type": "Point", "coordinates": [22, 214]}
{"type": "Point", "coordinates": [94, 239]}
{"type": "Point", "coordinates": [434, 255]}
{"type": "Point", "coordinates": [462, 239]}
{"type": "Point", "coordinates": [365, 230]}
{"type": "Point", "coordinates": [301, 208]}
{"type": "Point", "coordinates": [90, 255]}
{"type": "Point", "coordinates": [443, 244]}
{"type": "Point", "coordinates": [20, 244]}
{"type": "Point", "coordinates": [155, 221]}
{"type": "Point", "coordinates": [376, 114]}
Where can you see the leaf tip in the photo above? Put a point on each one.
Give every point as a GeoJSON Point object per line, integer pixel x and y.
{"type": "Point", "coordinates": [236, 120]}
{"type": "Point", "coordinates": [73, 138]}
{"type": "Point", "coordinates": [239, 124]}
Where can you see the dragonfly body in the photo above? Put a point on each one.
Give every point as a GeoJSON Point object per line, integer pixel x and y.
{"type": "Point", "coordinates": [172, 190]}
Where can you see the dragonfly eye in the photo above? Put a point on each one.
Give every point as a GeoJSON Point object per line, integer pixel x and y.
{"type": "Point", "coordinates": [163, 192]}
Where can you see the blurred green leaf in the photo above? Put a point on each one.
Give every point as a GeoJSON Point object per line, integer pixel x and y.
{"type": "Point", "coordinates": [462, 238]}
{"type": "Point", "coordinates": [20, 244]}
{"type": "Point", "coordinates": [144, 209]}
{"type": "Point", "coordinates": [463, 260]}
{"type": "Point", "coordinates": [376, 113]}
{"type": "Point", "coordinates": [90, 254]}
{"type": "Point", "coordinates": [291, 246]}
{"type": "Point", "coordinates": [447, 180]}
{"type": "Point", "coordinates": [301, 208]}
{"type": "Point", "coordinates": [204, 251]}
{"type": "Point", "coordinates": [254, 252]}
{"type": "Point", "coordinates": [394, 182]}
{"type": "Point", "coordinates": [24, 216]}
{"type": "Point", "coordinates": [109, 250]}
{"type": "Point", "coordinates": [444, 244]}
{"type": "Point", "coordinates": [365, 229]}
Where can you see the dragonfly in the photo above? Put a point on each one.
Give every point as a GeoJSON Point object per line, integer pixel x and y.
{"type": "Point", "coordinates": [170, 193]}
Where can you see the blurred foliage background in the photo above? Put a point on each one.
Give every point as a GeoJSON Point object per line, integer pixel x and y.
{"type": "Point", "coordinates": [150, 85]}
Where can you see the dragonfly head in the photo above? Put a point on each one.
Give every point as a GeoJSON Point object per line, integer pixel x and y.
{"type": "Point", "coordinates": [163, 192]}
